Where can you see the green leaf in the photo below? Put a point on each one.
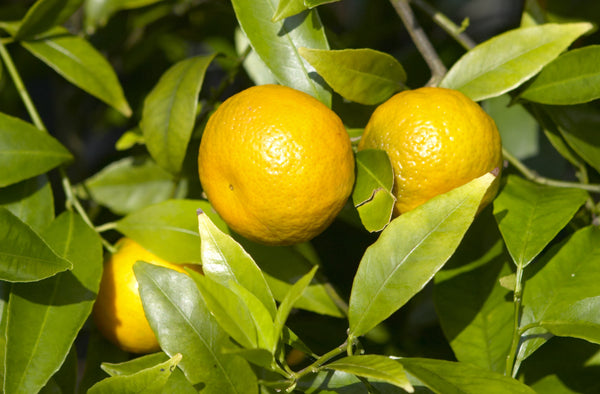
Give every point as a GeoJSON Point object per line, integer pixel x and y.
{"type": "Point", "coordinates": [476, 313]}
{"type": "Point", "coordinates": [26, 151]}
{"type": "Point", "coordinates": [170, 111]}
{"type": "Point", "coordinates": [80, 63]}
{"type": "Point", "coordinates": [277, 43]}
{"type": "Point", "coordinates": [24, 256]}
{"type": "Point", "coordinates": [31, 201]}
{"type": "Point", "coordinates": [381, 368]}
{"type": "Point", "coordinates": [529, 215]}
{"type": "Point", "coordinates": [150, 380]}
{"type": "Point", "coordinates": [451, 377]}
{"type": "Point", "coordinates": [98, 351]}
{"type": "Point", "coordinates": [409, 252]}
{"type": "Point", "coordinates": [573, 78]}
{"type": "Point", "coordinates": [505, 61]}
{"type": "Point", "coordinates": [256, 69]}
{"type": "Point", "coordinates": [372, 190]}
{"type": "Point", "coordinates": [287, 8]}
{"type": "Point", "coordinates": [364, 76]}
{"type": "Point", "coordinates": [131, 183]}
{"type": "Point", "coordinates": [98, 12]}
{"type": "Point", "coordinates": [225, 261]}
{"type": "Point", "coordinates": [169, 229]}
{"type": "Point", "coordinates": [45, 14]}
{"type": "Point", "coordinates": [46, 316]}
{"type": "Point", "coordinates": [183, 324]}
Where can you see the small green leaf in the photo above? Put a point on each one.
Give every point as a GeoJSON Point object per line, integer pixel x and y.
{"type": "Point", "coordinates": [376, 213]}
{"type": "Point", "coordinates": [31, 201]}
{"type": "Point", "coordinates": [365, 76]}
{"type": "Point", "coordinates": [452, 377]}
{"type": "Point", "coordinates": [45, 14]}
{"type": "Point", "coordinates": [150, 380]}
{"type": "Point", "coordinates": [380, 368]}
{"type": "Point", "coordinates": [224, 260]}
{"type": "Point", "coordinates": [287, 8]}
{"type": "Point", "coordinates": [170, 111]}
{"type": "Point", "coordinates": [137, 364]}
{"type": "Point", "coordinates": [505, 61]}
{"type": "Point", "coordinates": [24, 256]}
{"type": "Point", "coordinates": [131, 183]}
{"type": "Point", "coordinates": [573, 78]}
{"type": "Point", "coordinates": [529, 215]}
{"type": "Point", "coordinates": [277, 43]}
{"type": "Point", "coordinates": [26, 151]}
{"type": "Point", "coordinates": [183, 324]}
{"type": "Point", "coordinates": [129, 139]}
{"type": "Point", "coordinates": [409, 252]}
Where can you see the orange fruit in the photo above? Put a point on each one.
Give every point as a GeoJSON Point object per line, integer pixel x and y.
{"type": "Point", "coordinates": [276, 164]}
{"type": "Point", "coordinates": [437, 139]}
{"type": "Point", "coordinates": [118, 311]}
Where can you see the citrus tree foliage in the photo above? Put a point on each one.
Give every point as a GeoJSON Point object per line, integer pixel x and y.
{"type": "Point", "coordinates": [102, 107]}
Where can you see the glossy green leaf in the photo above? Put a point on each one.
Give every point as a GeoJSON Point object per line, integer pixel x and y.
{"type": "Point", "coordinates": [46, 316]}
{"type": "Point", "coordinates": [577, 125]}
{"type": "Point", "coordinates": [461, 378]}
{"type": "Point", "coordinates": [373, 366]}
{"type": "Point", "coordinates": [24, 256]}
{"type": "Point", "coordinates": [131, 183]}
{"type": "Point", "coordinates": [530, 215]}
{"type": "Point", "coordinates": [183, 324]}
{"type": "Point", "coordinates": [476, 313]}
{"type": "Point", "coordinates": [409, 252]}
{"type": "Point", "coordinates": [573, 78]}
{"type": "Point", "coordinates": [287, 8]}
{"type": "Point", "coordinates": [256, 69]}
{"type": "Point", "coordinates": [364, 76]}
{"type": "Point", "coordinates": [31, 201]}
{"type": "Point", "coordinates": [170, 111]}
{"type": "Point", "coordinates": [26, 151]}
{"type": "Point", "coordinates": [333, 382]}
{"type": "Point", "coordinates": [80, 63]}
{"type": "Point", "coordinates": [150, 380]}
{"type": "Point", "coordinates": [372, 190]}
{"type": "Point", "coordinates": [45, 14]}
{"type": "Point", "coordinates": [224, 261]}
{"type": "Point", "coordinates": [169, 229]}
{"type": "Point", "coordinates": [505, 61]}
{"type": "Point", "coordinates": [277, 43]}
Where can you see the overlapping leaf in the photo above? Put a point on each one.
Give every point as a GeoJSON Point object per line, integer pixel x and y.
{"type": "Point", "coordinates": [380, 368]}
{"type": "Point", "coordinates": [31, 201]}
{"type": "Point", "coordinates": [45, 14]}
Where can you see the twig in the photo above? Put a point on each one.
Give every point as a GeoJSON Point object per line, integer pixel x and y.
{"type": "Point", "coordinates": [446, 24]}
{"type": "Point", "coordinates": [438, 70]}
{"type": "Point", "coordinates": [516, 338]}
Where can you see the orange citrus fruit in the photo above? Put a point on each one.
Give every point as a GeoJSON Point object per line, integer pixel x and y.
{"type": "Point", "coordinates": [276, 164]}
{"type": "Point", "coordinates": [118, 311]}
{"type": "Point", "coordinates": [437, 139]}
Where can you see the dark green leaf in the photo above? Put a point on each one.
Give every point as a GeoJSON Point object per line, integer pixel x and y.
{"type": "Point", "coordinates": [26, 151]}
{"type": "Point", "coordinates": [183, 324]}
{"type": "Point", "coordinates": [131, 183]}
{"type": "Point", "coordinates": [24, 256]}
{"type": "Point", "coordinates": [45, 14]}
{"type": "Point", "coordinates": [31, 201]}
{"type": "Point", "coordinates": [380, 368]}
{"type": "Point", "coordinates": [150, 380]}
{"type": "Point", "coordinates": [225, 261]}
{"type": "Point", "coordinates": [505, 61]}
{"type": "Point", "coordinates": [277, 43]}
{"type": "Point", "coordinates": [46, 316]}
{"type": "Point", "coordinates": [169, 229]}
{"type": "Point", "coordinates": [409, 252]}
{"type": "Point", "coordinates": [451, 377]}
{"type": "Point", "coordinates": [573, 78]}
{"type": "Point", "coordinates": [365, 76]}
{"type": "Point", "coordinates": [529, 215]}
{"type": "Point", "coordinates": [97, 12]}
{"type": "Point", "coordinates": [170, 111]}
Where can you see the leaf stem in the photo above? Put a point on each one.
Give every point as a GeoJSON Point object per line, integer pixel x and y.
{"type": "Point", "coordinates": [446, 24]}
{"type": "Point", "coordinates": [16, 78]}
{"type": "Point", "coordinates": [516, 339]}
{"type": "Point", "coordinates": [438, 70]}
{"type": "Point", "coordinates": [106, 227]}
{"type": "Point", "coordinates": [320, 361]}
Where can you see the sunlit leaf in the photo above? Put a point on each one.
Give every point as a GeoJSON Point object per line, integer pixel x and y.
{"type": "Point", "coordinates": [45, 14]}
{"type": "Point", "coordinates": [253, 64]}
{"type": "Point", "coordinates": [31, 201]}
{"type": "Point", "coordinates": [373, 366]}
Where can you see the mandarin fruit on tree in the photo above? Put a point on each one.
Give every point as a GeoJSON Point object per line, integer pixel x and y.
{"type": "Point", "coordinates": [437, 139]}
{"type": "Point", "coordinates": [118, 311]}
{"type": "Point", "coordinates": [276, 164]}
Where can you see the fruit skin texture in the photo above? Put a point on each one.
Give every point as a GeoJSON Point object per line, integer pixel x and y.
{"type": "Point", "coordinates": [437, 139]}
{"type": "Point", "coordinates": [276, 164]}
{"type": "Point", "coordinates": [118, 311]}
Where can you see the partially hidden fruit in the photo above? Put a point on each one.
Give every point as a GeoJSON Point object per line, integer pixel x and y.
{"type": "Point", "coordinates": [276, 164]}
{"type": "Point", "coordinates": [118, 311]}
{"type": "Point", "coordinates": [437, 139]}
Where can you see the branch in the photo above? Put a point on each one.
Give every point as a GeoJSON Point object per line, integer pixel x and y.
{"type": "Point", "coordinates": [446, 24]}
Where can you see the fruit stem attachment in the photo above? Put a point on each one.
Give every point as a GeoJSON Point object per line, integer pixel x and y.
{"type": "Point", "coordinates": [516, 339]}
{"type": "Point", "coordinates": [438, 70]}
